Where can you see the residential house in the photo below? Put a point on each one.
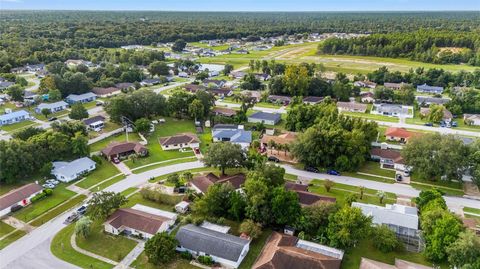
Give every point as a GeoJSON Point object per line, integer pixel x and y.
{"type": "Point", "coordinates": [17, 198]}
{"type": "Point", "coordinates": [257, 95]}
{"type": "Point", "coordinates": [399, 264]}
{"type": "Point", "coordinates": [95, 123]}
{"type": "Point", "coordinates": [14, 117]}
{"type": "Point", "coordinates": [81, 98]}
{"type": "Point", "coordinates": [125, 85]}
{"type": "Point", "coordinates": [473, 119]}
{"type": "Point", "coordinates": [213, 82]}
{"type": "Point", "coordinates": [283, 251]}
{"type": "Point", "coordinates": [392, 110]}
{"type": "Point", "coordinates": [69, 171]}
{"type": "Point", "coordinates": [401, 219]}
{"type": "Point", "coordinates": [212, 69]}
{"type": "Point", "coordinates": [388, 158]}
{"type": "Point", "coordinates": [221, 92]}
{"type": "Point", "coordinates": [150, 82]}
{"type": "Point", "coordinates": [285, 100]}
{"type": "Point", "coordinates": [179, 141]}
{"type": "Point", "coordinates": [242, 51]}
{"type": "Point", "coordinates": [139, 220]}
{"type": "Point", "coordinates": [365, 84]}
{"type": "Point", "coordinates": [262, 76]}
{"type": "Point", "coordinates": [351, 107]}
{"type": "Point", "coordinates": [223, 111]}
{"type": "Point", "coordinates": [447, 115]}
{"type": "Point", "coordinates": [367, 97]}
{"type": "Point", "coordinates": [106, 92]}
{"type": "Point", "coordinates": [226, 249]}
{"type": "Point", "coordinates": [193, 88]}
{"type": "Point", "coordinates": [6, 84]}
{"type": "Point", "coordinates": [427, 101]}
{"type": "Point", "coordinates": [233, 134]}
{"type": "Point", "coordinates": [283, 139]}
{"type": "Point", "coordinates": [306, 198]}
{"type": "Point", "coordinates": [429, 89]}
{"type": "Point", "coordinates": [53, 107]}
{"type": "Point", "coordinates": [74, 63]}
{"type": "Point", "coordinates": [265, 118]}
{"type": "Point", "coordinates": [124, 149]}
{"type": "Point", "coordinates": [312, 100]}
{"type": "Point", "coordinates": [237, 74]}
{"type": "Point", "coordinates": [182, 207]}
{"type": "Point", "coordinates": [201, 183]}
{"type": "Point", "coordinates": [401, 135]}
{"type": "Point", "coordinates": [396, 86]}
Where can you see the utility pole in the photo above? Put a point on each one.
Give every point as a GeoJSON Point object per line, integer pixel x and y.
{"type": "Point", "coordinates": [127, 123]}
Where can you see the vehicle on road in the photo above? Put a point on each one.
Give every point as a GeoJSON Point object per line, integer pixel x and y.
{"type": "Point", "coordinates": [311, 169]}
{"type": "Point", "coordinates": [398, 177]}
{"type": "Point", "coordinates": [428, 124]}
{"type": "Point", "coordinates": [273, 159]}
{"type": "Point", "coordinates": [333, 172]}
{"type": "Point", "coordinates": [454, 124]}
{"type": "Point", "coordinates": [72, 218]}
{"type": "Point", "coordinates": [82, 210]}
{"type": "Point", "coordinates": [52, 181]}
{"type": "Point", "coordinates": [52, 119]}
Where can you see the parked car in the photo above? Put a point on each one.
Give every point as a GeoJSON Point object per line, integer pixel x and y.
{"type": "Point", "coordinates": [74, 217]}
{"type": "Point", "coordinates": [333, 172]}
{"type": "Point", "coordinates": [442, 125]}
{"type": "Point", "coordinates": [99, 103]}
{"type": "Point", "coordinates": [454, 124]}
{"type": "Point", "coordinates": [311, 169]}
{"type": "Point", "coordinates": [52, 181]}
{"type": "Point", "coordinates": [398, 177]}
{"type": "Point", "coordinates": [48, 186]}
{"type": "Point", "coordinates": [273, 159]}
{"type": "Point", "coordinates": [81, 210]}
{"type": "Point", "coordinates": [428, 124]}
{"type": "Point", "coordinates": [116, 160]}
{"type": "Point", "coordinates": [52, 119]}
{"type": "Point", "coordinates": [197, 150]}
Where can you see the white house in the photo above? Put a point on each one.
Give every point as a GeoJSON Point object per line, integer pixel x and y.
{"type": "Point", "coordinates": [139, 220]}
{"type": "Point", "coordinates": [68, 171]}
{"type": "Point", "coordinates": [392, 110]}
{"type": "Point", "coordinates": [232, 133]}
{"type": "Point", "coordinates": [18, 198]}
{"type": "Point", "coordinates": [53, 107]}
{"type": "Point", "coordinates": [185, 140]}
{"type": "Point", "coordinates": [14, 117]}
{"type": "Point", "coordinates": [81, 98]}
{"type": "Point", "coordinates": [473, 119]}
{"type": "Point", "coordinates": [226, 249]}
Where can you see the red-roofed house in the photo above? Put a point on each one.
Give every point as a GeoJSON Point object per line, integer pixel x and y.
{"type": "Point", "coordinates": [399, 134]}
{"type": "Point", "coordinates": [201, 183]}
{"type": "Point", "coordinates": [18, 197]}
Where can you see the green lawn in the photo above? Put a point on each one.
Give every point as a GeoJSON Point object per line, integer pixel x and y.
{"type": "Point", "coordinates": [11, 238]}
{"type": "Point", "coordinates": [155, 151]}
{"type": "Point", "coordinates": [58, 210]}
{"type": "Point", "coordinates": [205, 139]}
{"type": "Point", "coordinates": [7, 105]}
{"type": "Point", "coordinates": [255, 249]}
{"type": "Point", "coordinates": [113, 247]}
{"type": "Point", "coordinates": [121, 137]}
{"type": "Point", "coordinates": [138, 199]}
{"type": "Point", "coordinates": [441, 183]}
{"type": "Point", "coordinates": [471, 210]}
{"type": "Point", "coordinates": [371, 116]}
{"type": "Point", "coordinates": [17, 126]}
{"type": "Point", "coordinates": [63, 250]}
{"type": "Point", "coordinates": [142, 263]}
{"type": "Point", "coordinates": [104, 170]}
{"type": "Point", "coordinates": [373, 168]}
{"type": "Point", "coordinates": [5, 229]}
{"type": "Point", "coordinates": [445, 190]}
{"type": "Point", "coordinates": [60, 195]}
{"type": "Point", "coordinates": [368, 177]}
{"type": "Point", "coordinates": [129, 191]}
{"type": "Point", "coordinates": [109, 183]}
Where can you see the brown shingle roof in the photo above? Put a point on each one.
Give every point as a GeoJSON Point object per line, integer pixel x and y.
{"type": "Point", "coordinates": [307, 198]}
{"type": "Point", "coordinates": [185, 138]}
{"type": "Point", "coordinates": [136, 219]}
{"type": "Point", "coordinates": [224, 111]}
{"type": "Point", "coordinates": [104, 91]}
{"type": "Point", "coordinates": [17, 195]}
{"type": "Point", "coordinates": [205, 181]}
{"type": "Point", "coordinates": [388, 154]}
{"type": "Point", "coordinates": [122, 147]}
{"type": "Point", "coordinates": [295, 187]}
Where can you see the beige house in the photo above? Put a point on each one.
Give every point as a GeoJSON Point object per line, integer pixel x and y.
{"type": "Point", "coordinates": [351, 107]}
{"type": "Point", "coordinates": [185, 140]}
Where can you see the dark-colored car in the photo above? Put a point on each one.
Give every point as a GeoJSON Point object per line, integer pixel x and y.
{"type": "Point", "coordinates": [398, 177]}
{"type": "Point", "coordinates": [197, 150]}
{"type": "Point", "coordinates": [311, 169]}
{"type": "Point", "coordinates": [454, 124]}
{"type": "Point", "coordinates": [428, 124]}
{"type": "Point", "coordinates": [82, 210]}
{"type": "Point", "coordinates": [333, 172]}
{"type": "Point", "coordinates": [273, 159]}
{"type": "Point", "coordinates": [52, 119]}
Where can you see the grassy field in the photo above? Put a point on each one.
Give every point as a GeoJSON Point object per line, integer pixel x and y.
{"type": "Point", "coordinates": [255, 249]}
{"type": "Point", "coordinates": [63, 250]}
{"type": "Point", "coordinates": [17, 126]}
{"type": "Point", "coordinates": [103, 171]}
{"type": "Point", "coordinates": [138, 199]}
{"type": "Point", "coordinates": [113, 247]}
{"type": "Point", "coordinates": [60, 194]}
{"type": "Point", "coordinates": [129, 191]}
{"type": "Point", "coordinates": [58, 210]}
{"type": "Point", "coordinates": [5, 229]}
{"type": "Point", "coordinates": [471, 210]}
{"type": "Point", "coordinates": [142, 263]}
{"type": "Point", "coordinates": [445, 190]}
{"type": "Point", "coordinates": [371, 116]}
{"type": "Point", "coordinates": [11, 238]}
{"type": "Point", "coordinates": [132, 137]}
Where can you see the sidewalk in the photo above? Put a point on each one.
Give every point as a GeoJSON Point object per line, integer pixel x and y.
{"type": "Point", "coordinates": [88, 253]}
{"type": "Point", "coordinates": [132, 256]}
{"type": "Point", "coordinates": [18, 224]}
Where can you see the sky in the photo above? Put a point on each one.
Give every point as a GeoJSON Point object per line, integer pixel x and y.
{"type": "Point", "coordinates": [245, 5]}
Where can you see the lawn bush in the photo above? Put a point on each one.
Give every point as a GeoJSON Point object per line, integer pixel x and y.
{"type": "Point", "coordinates": [186, 255]}
{"type": "Point", "coordinates": [207, 260]}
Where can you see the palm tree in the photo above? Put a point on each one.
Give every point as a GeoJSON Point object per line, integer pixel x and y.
{"type": "Point", "coordinates": [280, 147]}
{"type": "Point", "coordinates": [286, 147]}
{"type": "Point", "coordinates": [271, 145]}
{"type": "Point", "coordinates": [237, 98]}
{"type": "Point", "coordinates": [361, 189]}
{"type": "Point", "coordinates": [381, 195]}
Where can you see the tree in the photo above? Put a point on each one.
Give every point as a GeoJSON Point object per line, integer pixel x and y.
{"type": "Point", "coordinates": [474, 162]}
{"type": "Point", "coordinates": [16, 93]}
{"type": "Point", "coordinates": [224, 155]}
{"type": "Point", "coordinates": [45, 112]}
{"type": "Point", "coordinates": [427, 196]}
{"type": "Point", "coordinates": [314, 218]}
{"type": "Point", "coordinates": [252, 229]}
{"type": "Point", "coordinates": [158, 68]}
{"type": "Point", "coordinates": [54, 95]}
{"type": "Point", "coordinates": [213, 203]}
{"type": "Point", "coordinates": [236, 205]}
{"type": "Point", "coordinates": [79, 144]}
{"type": "Point", "coordinates": [384, 239]}
{"type": "Point", "coordinates": [101, 205]}
{"type": "Point", "coordinates": [328, 184]}
{"type": "Point", "coordinates": [196, 110]}
{"type": "Point", "coordinates": [273, 174]}
{"type": "Point", "coordinates": [381, 195]}
{"type": "Point", "coordinates": [347, 226]}
{"type": "Point", "coordinates": [285, 206]}
{"type": "Point", "coordinates": [258, 197]}
{"type": "Point", "coordinates": [296, 80]}
{"type": "Point", "coordinates": [465, 251]}
{"type": "Point", "coordinates": [160, 249]}
{"type": "Point", "coordinates": [187, 176]}
{"type": "Point", "coordinates": [83, 227]}
{"type": "Point", "coordinates": [139, 104]}
{"type": "Point", "coordinates": [179, 45]}
{"type": "Point", "coordinates": [436, 113]}
{"type": "Point", "coordinates": [78, 112]}
{"type": "Point", "coordinates": [174, 179]}
{"type": "Point", "coordinates": [361, 190]}
{"type": "Point", "coordinates": [142, 125]}
{"type": "Point", "coordinates": [227, 69]}
{"type": "Point", "coordinates": [25, 133]}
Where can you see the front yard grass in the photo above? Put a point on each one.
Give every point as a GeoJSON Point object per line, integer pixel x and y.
{"type": "Point", "coordinates": [60, 194]}
{"type": "Point", "coordinates": [109, 182]}
{"type": "Point", "coordinates": [422, 187]}
{"type": "Point", "coordinates": [58, 210]}
{"type": "Point", "coordinates": [105, 170]}
{"type": "Point", "coordinates": [5, 229]}
{"type": "Point", "coordinates": [371, 116]}
{"type": "Point", "coordinates": [11, 238]}
{"type": "Point", "coordinates": [17, 126]}
{"type": "Point", "coordinates": [142, 263]}
{"type": "Point", "coordinates": [113, 247]}
{"type": "Point", "coordinates": [138, 199]}
{"type": "Point", "coordinates": [121, 137]}
{"type": "Point", "coordinates": [165, 163]}
{"type": "Point", "coordinates": [256, 247]}
{"type": "Point", "coordinates": [373, 168]}
{"type": "Point", "coordinates": [471, 210]}
{"type": "Point", "coordinates": [63, 250]}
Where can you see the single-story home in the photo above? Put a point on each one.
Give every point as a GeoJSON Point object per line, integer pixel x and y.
{"type": "Point", "coordinates": [237, 74]}
{"type": "Point", "coordinates": [401, 135]}
{"type": "Point", "coordinates": [429, 89]}
{"type": "Point", "coordinates": [81, 98]}
{"type": "Point", "coordinates": [193, 88]}
{"type": "Point", "coordinates": [125, 85]}
{"type": "Point", "coordinates": [223, 111]}
{"type": "Point", "coordinates": [139, 220]}
{"type": "Point", "coordinates": [257, 95]}
{"type": "Point", "coordinates": [365, 84]}
{"type": "Point", "coordinates": [18, 197]}
{"type": "Point", "coordinates": [427, 101]}
{"type": "Point", "coordinates": [312, 100]}
{"type": "Point", "coordinates": [105, 92]}
{"type": "Point", "coordinates": [6, 84]}
{"type": "Point", "coordinates": [265, 118]}
{"type": "Point", "coordinates": [392, 110]}
{"type": "Point", "coordinates": [351, 107]}
{"type": "Point", "coordinates": [367, 97]}
{"type": "Point", "coordinates": [262, 76]}
{"type": "Point", "coordinates": [285, 100]}
{"type": "Point", "coordinates": [284, 139]}
{"type": "Point", "coordinates": [123, 149]}
{"type": "Point", "coordinates": [283, 251]}
{"type": "Point", "coordinates": [75, 63]}
{"type": "Point", "coordinates": [150, 82]}
{"type": "Point", "coordinates": [226, 249]}
{"type": "Point", "coordinates": [14, 117]}
{"type": "Point", "coordinates": [306, 198]}
{"type": "Point", "coordinates": [185, 140]}
{"type": "Point", "coordinates": [399, 264]}
{"type": "Point", "coordinates": [396, 86]}
{"type": "Point", "coordinates": [68, 171]}
{"type": "Point", "coordinates": [215, 82]}
{"type": "Point", "coordinates": [473, 119]}
{"type": "Point", "coordinates": [95, 123]}
{"type": "Point", "coordinates": [221, 92]}
{"type": "Point", "coordinates": [447, 115]}
{"type": "Point", "coordinates": [182, 207]}
{"type": "Point", "coordinates": [201, 183]}
{"type": "Point", "coordinates": [53, 107]}
{"type": "Point", "coordinates": [388, 158]}
{"type": "Point", "coordinates": [233, 134]}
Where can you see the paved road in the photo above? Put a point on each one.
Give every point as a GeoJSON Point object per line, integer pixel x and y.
{"type": "Point", "coordinates": [33, 246]}
{"type": "Point", "coordinates": [174, 85]}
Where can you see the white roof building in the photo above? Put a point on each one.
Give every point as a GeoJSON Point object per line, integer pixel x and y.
{"type": "Point", "coordinates": [68, 171]}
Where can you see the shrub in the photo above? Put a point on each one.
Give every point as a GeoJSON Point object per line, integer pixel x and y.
{"type": "Point", "coordinates": [39, 196]}
{"type": "Point", "coordinates": [97, 159]}
{"type": "Point", "coordinates": [207, 260]}
{"type": "Point", "coordinates": [198, 220]}
{"type": "Point", "coordinates": [384, 239]}
{"type": "Point", "coordinates": [186, 255]}
{"type": "Point", "coordinates": [48, 192]}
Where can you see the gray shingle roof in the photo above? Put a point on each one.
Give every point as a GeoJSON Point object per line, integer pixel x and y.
{"type": "Point", "coordinates": [266, 116]}
{"type": "Point", "coordinates": [211, 242]}
{"type": "Point", "coordinates": [235, 136]}
{"type": "Point", "coordinates": [72, 168]}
